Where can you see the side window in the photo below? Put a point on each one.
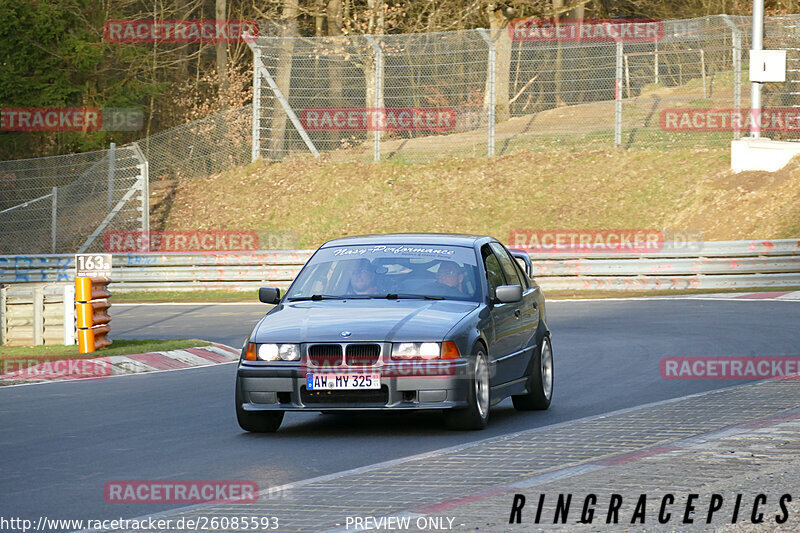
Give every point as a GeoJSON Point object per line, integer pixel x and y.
{"type": "Point", "coordinates": [507, 264]}
{"type": "Point", "coordinates": [522, 275]}
{"type": "Point", "coordinates": [494, 272]}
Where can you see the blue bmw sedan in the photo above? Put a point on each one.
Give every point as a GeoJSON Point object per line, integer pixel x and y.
{"type": "Point", "coordinates": [400, 321]}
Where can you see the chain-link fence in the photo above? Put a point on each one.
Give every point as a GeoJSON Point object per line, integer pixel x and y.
{"type": "Point", "coordinates": [336, 95]}
{"type": "Point", "coordinates": [411, 97]}
{"type": "Point", "coordinates": [85, 194]}
{"type": "Point", "coordinates": [214, 144]}
{"type": "Point", "coordinates": [67, 203]}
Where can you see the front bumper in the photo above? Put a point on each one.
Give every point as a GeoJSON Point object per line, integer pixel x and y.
{"type": "Point", "coordinates": [425, 385]}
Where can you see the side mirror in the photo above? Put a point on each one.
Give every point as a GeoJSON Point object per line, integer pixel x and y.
{"type": "Point", "coordinates": [269, 295]}
{"type": "Point", "coordinates": [508, 293]}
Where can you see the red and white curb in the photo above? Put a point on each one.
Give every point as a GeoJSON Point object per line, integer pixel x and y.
{"type": "Point", "coordinates": [115, 365]}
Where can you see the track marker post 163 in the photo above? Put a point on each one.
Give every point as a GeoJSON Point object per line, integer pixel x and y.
{"type": "Point", "coordinates": [92, 276]}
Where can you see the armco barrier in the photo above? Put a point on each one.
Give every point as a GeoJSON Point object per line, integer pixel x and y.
{"type": "Point", "coordinates": [699, 265]}
{"type": "Point", "coordinates": [37, 313]}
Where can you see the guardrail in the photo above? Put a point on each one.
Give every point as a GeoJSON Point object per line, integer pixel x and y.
{"type": "Point", "coordinates": [699, 265]}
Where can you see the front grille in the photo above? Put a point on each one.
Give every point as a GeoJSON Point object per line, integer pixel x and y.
{"type": "Point", "coordinates": [325, 355]}
{"type": "Point", "coordinates": [363, 354]}
{"type": "Point", "coordinates": [371, 396]}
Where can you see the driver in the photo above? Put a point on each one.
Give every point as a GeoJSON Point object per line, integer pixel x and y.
{"type": "Point", "coordinates": [362, 278]}
{"type": "Point", "coordinates": [450, 277]}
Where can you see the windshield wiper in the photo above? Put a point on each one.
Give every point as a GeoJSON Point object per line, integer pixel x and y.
{"type": "Point", "coordinates": [394, 296]}
{"type": "Point", "coordinates": [316, 297]}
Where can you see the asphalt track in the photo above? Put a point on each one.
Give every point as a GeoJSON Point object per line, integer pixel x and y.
{"type": "Point", "coordinates": [61, 442]}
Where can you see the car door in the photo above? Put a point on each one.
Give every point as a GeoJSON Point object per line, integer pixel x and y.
{"type": "Point", "coordinates": [526, 312]}
{"type": "Point", "coordinates": [503, 343]}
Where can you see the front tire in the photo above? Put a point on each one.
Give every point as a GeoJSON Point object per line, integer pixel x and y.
{"type": "Point", "coordinates": [540, 383]}
{"type": "Point", "coordinates": [476, 415]}
{"type": "Point", "coordinates": [265, 422]}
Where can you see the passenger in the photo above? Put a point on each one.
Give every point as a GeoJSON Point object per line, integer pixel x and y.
{"type": "Point", "coordinates": [362, 278]}
{"type": "Point", "coordinates": [450, 278]}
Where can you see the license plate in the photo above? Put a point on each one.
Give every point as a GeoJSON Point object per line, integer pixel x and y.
{"type": "Point", "coordinates": [342, 381]}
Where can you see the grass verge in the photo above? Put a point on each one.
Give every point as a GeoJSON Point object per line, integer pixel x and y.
{"type": "Point", "coordinates": [219, 296]}
{"type": "Point", "coordinates": [119, 347]}
{"type": "Point", "coordinates": [185, 296]}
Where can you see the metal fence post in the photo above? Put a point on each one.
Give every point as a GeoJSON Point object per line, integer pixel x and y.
{"type": "Point", "coordinates": [289, 111]}
{"type": "Point", "coordinates": [376, 149]}
{"type": "Point", "coordinates": [146, 198]}
{"type": "Point", "coordinates": [655, 63]}
{"type": "Point", "coordinates": [144, 175]}
{"type": "Point", "coordinates": [737, 79]}
{"type": "Point", "coordinates": [757, 44]}
{"type": "Point", "coordinates": [736, 37]}
{"type": "Point", "coordinates": [112, 162]}
{"type": "Point", "coordinates": [53, 220]}
{"type": "Point", "coordinates": [490, 89]}
{"type": "Point", "coordinates": [38, 316]}
{"type": "Point", "coordinates": [618, 97]}
{"type": "Point", "coordinates": [3, 315]}
{"type": "Point", "coordinates": [257, 66]}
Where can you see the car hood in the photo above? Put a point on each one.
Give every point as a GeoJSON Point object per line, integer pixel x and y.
{"type": "Point", "coordinates": [366, 320]}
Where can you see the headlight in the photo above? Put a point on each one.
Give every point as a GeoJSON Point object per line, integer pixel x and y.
{"type": "Point", "coordinates": [289, 352]}
{"type": "Point", "coordinates": [273, 352]}
{"type": "Point", "coordinates": [416, 350]}
{"type": "Point", "coordinates": [268, 352]}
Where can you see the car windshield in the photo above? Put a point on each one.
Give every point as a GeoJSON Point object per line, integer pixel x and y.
{"type": "Point", "coordinates": [389, 271]}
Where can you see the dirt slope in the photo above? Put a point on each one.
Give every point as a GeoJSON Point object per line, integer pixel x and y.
{"type": "Point", "coordinates": [686, 189]}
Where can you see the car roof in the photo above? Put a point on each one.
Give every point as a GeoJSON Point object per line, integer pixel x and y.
{"type": "Point", "coordinates": [452, 239]}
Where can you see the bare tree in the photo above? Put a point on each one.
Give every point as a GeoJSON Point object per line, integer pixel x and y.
{"type": "Point", "coordinates": [283, 75]}
{"type": "Point", "coordinates": [335, 30]}
{"type": "Point", "coordinates": [498, 24]}
{"type": "Point", "coordinates": [375, 26]}
{"type": "Point", "coordinates": [222, 47]}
